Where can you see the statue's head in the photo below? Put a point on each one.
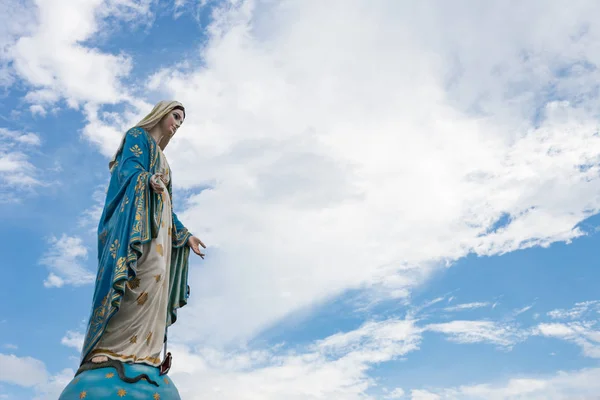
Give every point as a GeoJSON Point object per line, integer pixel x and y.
{"type": "Point", "coordinates": [166, 117]}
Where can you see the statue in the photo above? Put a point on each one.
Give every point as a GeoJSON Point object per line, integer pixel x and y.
{"type": "Point", "coordinates": [143, 252]}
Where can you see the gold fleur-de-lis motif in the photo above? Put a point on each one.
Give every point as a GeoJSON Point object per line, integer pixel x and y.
{"type": "Point", "coordinates": [134, 283]}
{"type": "Point", "coordinates": [135, 132]}
{"type": "Point", "coordinates": [124, 203]}
{"type": "Point", "coordinates": [135, 149]}
{"type": "Point", "coordinates": [159, 249]}
{"type": "Point", "coordinates": [114, 248]}
{"type": "Point", "coordinates": [121, 392]}
{"type": "Point", "coordinates": [121, 266]}
{"type": "Point", "coordinates": [133, 339]}
{"type": "Point", "coordinates": [142, 298]}
{"type": "Point", "coordinates": [148, 338]}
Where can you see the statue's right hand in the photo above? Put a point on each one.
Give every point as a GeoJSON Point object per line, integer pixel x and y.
{"type": "Point", "coordinates": [155, 183]}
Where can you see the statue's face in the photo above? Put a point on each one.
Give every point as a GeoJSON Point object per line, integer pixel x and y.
{"type": "Point", "coordinates": [169, 125]}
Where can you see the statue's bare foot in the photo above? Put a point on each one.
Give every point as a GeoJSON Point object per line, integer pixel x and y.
{"type": "Point", "coordinates": [99, 359]}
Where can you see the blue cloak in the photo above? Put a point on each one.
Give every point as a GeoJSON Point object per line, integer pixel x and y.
{"type": "Point", "coordinates": [131, 217]}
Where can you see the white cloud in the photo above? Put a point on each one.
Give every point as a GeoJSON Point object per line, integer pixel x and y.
{"type": "Point", "coordinates": [335, 164]}
{"type": "Point", "coordinates": [583, 384]}
{"type": "Point", "coordinates": [503, 335]}
{"type": "Point", "coordinates": [579, 333]}
{"type": "Point", "coordinates": [16, 19]}
{"type": "Point", "coordinates": [53, 387]}
{"type": "Point", "coordinates": [22, 371]}
{"type": "Point", "coordinates": [17, 172]}
{"type": "Point", "coordinates": [90, 217]}
{"type": "Point", "coordinates": [397, 393]}
{"type": "Point", "coordinates": [418, 394]}
{"type": "Point", "coordinates": [65, 258]}
{"type": "Point", "coordinates": [52, 55]}
{"type": "Point", "coordinates": [73, 339]}
{"type": "Point", "coordinates": [467, 306]}
{"type": "Point", "coordinates": [31, 373]}
{"type": "Point", "coordinates": [522, 310]}
{"type": "Point", "coordinates": [335, 367]}
{"type": "Point", "coordinates": [576, 312]}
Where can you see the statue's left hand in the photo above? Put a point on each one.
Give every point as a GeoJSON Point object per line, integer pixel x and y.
{"type": "Point", "coordinates": [195, 244]}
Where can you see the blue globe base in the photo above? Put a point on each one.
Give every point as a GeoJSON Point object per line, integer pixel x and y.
{"type": "Point", "coordinates": [104, 383]}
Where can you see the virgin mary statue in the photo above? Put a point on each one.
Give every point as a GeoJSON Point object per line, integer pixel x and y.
{"type": "Point", "coordinates": [143, 252]}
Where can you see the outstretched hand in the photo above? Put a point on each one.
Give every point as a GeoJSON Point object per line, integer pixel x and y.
{"type": "Point", "coordinates": [195, 244]}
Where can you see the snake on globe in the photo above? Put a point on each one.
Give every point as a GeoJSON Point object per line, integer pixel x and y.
{"type": "Point", "coordinates": [118, 365]}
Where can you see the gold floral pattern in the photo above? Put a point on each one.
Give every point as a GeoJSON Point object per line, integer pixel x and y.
{"type": "Point", "coordinates": [83, 395]}
{"type": "Point", "coordinates": [159, 249]}
{"type": "Point", "coordinates": [156, 396]}
{"type": "Point", "coordinates": [124, 203]}
{"type": "Point", "coordinates": [109, 375]}
{"type": "Point", "coordinates": [148, 338]}
{"type": "Point", "coordinates": [121, 269]}
{"type": "Point", "coordinates": [135, 132]}
{"type": "Point", "coordinates": [133, 339]}
{"type": "Point", "coordinates": [157, 277]}
{"type": "Point", "coordinates": [121, 392]}
{"type": "Point", "coordinates": [136, 151]}
{"type": "Point", "coordinates": [114, 248]}
{"type": "Point", "coordinates": [133, 283]}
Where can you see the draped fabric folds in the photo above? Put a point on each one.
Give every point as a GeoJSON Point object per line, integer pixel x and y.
{"type": "Point", "coordinates": [131, 218]}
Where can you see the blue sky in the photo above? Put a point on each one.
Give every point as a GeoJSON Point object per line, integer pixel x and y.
{"type": "Point", "coordinates": [399, 201]}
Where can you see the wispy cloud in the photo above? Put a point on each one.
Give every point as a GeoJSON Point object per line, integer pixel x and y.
{"type": "Point", "coordinates": [580, 333]}
{"type": "Point", "coordinates": [17, 172]}
{"type": "Point", "coordinates": [335, 367]}
{"type": "Point", "coordinates": [579, 310]}
{"type": "Point", "coordinates": [90, 217]}
{"type": "Point", "coordinates": [467, 306]}
{"type": "Point", "coordinates": [522, 310]}
{"type": "Point", "coordinates": [501, 334]}
{"type": "Point", "coordinates": [582, 384]}
{"type": "Point", "coordinates": [73, 339]}
{"type": "Point", "coordinates": [65, 259]}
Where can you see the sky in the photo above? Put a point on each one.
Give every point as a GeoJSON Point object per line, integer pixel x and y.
{"type": "Point", "coordinates": [400, 199]}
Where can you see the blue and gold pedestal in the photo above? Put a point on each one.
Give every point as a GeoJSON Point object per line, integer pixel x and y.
{"type": "Point", "coordinates": [104, 383]}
